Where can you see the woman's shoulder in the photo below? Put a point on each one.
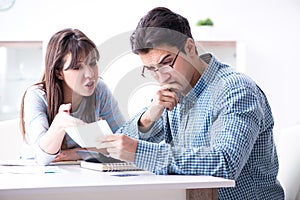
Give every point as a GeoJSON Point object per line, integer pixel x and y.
{"type": "Point", "coordinates": [36, 91]}
{"type": "Point", "coordinates": [102, 91]}
{"type": "Point", "coordinates": [101, 86]}
{"type": "Point", "coordinates": [37, 88]}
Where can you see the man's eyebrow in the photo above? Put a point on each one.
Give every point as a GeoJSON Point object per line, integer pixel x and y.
{"type": "Point", "coordinates": [161, 61]}
{"type": "Point", "coordinates": [164, 58]}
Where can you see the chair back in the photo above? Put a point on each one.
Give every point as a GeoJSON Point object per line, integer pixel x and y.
{"type": "Point", "coordinates": [288, 149]}
{"type": "Point", "coordinates": [10, 139]}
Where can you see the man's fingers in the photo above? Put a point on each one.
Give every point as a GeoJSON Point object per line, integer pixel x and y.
{"type": "Point", "coordinates": [171, 87]}
{"type": "Point", "coordinates": [105, 145]}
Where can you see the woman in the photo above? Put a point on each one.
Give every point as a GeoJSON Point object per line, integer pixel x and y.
{"type": "Point", "coordinates": [69, 94]}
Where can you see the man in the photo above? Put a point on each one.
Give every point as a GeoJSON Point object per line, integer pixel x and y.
{"type": "Point", "coordinates": [206, 119]}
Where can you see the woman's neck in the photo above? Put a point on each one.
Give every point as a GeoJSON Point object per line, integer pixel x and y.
{"type": "Point", "coordinates": [72, 97]}
{"type": "Point", "coordinates": [75, 100]}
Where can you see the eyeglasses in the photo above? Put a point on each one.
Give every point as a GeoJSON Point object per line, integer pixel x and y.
{"type": "Point", "coordinates": [153, 70]}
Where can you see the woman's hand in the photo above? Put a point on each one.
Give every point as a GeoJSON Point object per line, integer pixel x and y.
{"type": "Point", "coordinates": [120, 146]}
{"type": "Point", "coordinates": [52, 140]}
{"type": "Point", "coordinates": [67, 155]}
{"type": "Point", "coordinates": [63, 119]}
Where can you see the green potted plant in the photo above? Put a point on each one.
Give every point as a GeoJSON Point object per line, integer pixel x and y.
{"type": "Point", "coordinates": [203, 29]}
{"type": "Point", "coordinates": [205, 22]}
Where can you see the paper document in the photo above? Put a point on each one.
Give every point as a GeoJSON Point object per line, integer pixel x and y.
{"type": "Point", "coordinates": [26, 167]}
{"type": "Point", "coordinates": [17, 162]}
{"type": "Point", "coordinates": [89, 135]}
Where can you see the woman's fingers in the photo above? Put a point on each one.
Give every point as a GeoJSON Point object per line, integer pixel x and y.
{"type": "Point", "coordinates": [65, 108]}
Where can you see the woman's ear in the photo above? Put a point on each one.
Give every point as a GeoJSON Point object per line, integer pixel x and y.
{"type": "Point", "coordinates": [59, 75]}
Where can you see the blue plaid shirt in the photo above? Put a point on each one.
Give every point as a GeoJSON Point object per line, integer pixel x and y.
{"type": "Point", "coordinates": [222, 127]}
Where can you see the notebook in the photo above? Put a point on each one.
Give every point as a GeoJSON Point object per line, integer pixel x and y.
{"type": "Point", "coordinates": [97, 161]}
{"type": "Point", "coordinates": [109, 167]}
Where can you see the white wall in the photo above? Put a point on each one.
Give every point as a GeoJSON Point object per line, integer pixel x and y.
{"type": "Point", "coordinates": [269, 29]}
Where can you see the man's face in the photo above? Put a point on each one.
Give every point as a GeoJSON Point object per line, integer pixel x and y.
{"type": "Point", "coordinates": [158, 61]}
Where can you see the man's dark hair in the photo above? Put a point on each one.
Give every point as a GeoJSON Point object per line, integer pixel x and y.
{"type": "Point", "coordinates": [160, 26]}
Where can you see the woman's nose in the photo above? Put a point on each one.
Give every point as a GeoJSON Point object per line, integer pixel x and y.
{"type": "Point", "coordinates": [89, 72]}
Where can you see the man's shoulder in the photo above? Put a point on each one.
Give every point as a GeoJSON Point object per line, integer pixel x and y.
{"type": "Point", "coordinates": [231, 77]}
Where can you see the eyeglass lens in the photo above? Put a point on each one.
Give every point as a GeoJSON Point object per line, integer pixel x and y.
{"type": "Point", "coordinates": [153, 71]}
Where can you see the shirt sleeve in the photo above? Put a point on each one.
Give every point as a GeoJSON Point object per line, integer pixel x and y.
{"type": "Point", "coordinates": [154, 134]}
{"type": "Point", "coordinates": [234, 129]}
{"type": "Point", "coordinates": [36, 123]}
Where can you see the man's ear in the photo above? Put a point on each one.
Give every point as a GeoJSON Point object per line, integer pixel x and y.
{"type": "Point", "coordinates": [190, 46]}
{"type": "Point", "coordinates": [59, 75]}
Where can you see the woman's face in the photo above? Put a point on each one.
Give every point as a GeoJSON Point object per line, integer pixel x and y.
{"type": "Point", "coordinates": [80, 80]}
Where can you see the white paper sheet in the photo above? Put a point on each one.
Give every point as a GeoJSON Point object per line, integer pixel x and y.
{"type": "Point", "coordinates": [89, 135]}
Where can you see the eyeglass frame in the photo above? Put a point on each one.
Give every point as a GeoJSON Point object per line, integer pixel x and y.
{"type": "Point", "coordinates": [156, 69]}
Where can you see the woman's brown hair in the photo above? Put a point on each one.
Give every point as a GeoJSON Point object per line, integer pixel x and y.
{"type": "Point", "coordinates": [61, 43]}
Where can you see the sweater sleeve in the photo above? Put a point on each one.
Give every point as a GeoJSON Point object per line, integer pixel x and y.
{"type": "Point", "coordinates": [36, 125]}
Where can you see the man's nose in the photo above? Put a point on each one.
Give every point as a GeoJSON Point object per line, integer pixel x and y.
{"type": "Point", "coordinates": [162, 77]}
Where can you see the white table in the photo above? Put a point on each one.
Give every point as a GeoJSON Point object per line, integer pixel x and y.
{"type": "Point", "coordinates": [76, 183]}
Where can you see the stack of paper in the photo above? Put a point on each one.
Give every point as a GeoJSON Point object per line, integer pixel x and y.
{"type": "Point", "coordinates": [89, 135]}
